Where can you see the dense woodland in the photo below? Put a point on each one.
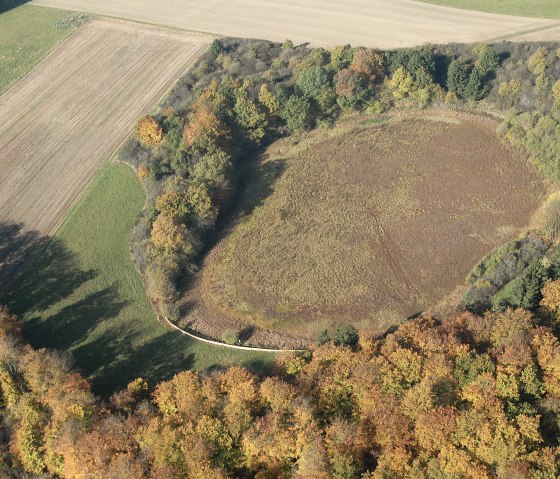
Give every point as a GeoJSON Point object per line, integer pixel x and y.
{"type": "Point", "coordinates": [477, 397]}
{"type": "Point", "coordinates": [473, 397]}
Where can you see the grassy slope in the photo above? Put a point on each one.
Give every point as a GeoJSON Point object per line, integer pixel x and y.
{"type": "Point", "coordinates": [528, 8]}
{"type": "Point", "coordinates": [102, 314]}
{"type": "Point", "coordinates": [28, 34]}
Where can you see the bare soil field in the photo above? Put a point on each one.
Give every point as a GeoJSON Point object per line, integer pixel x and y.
{"type": "Point", "coordinates": [64, 119]}
{"type": "Point", "coordinates": [368, 223]}
{"type": "Point", "coordinates": [376, 23]}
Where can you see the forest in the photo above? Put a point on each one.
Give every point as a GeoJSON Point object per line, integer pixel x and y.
{"type": "Point", "coordinates": [476, 397]}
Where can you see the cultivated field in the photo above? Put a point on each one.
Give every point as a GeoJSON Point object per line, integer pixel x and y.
{"type": "Point", "coordinates": [378, 23]}
{"type": "Point", "coordinates": [373, 224]}
{"type": "Point", "coordinates": [63, 120]}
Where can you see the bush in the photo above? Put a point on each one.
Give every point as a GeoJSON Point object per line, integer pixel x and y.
{"type": "Point", "coordinates": [547, 219]}
{"type": "Point", "coordinates": [345, 335]}
{"type": "Point", "coordinates": [230, 336]}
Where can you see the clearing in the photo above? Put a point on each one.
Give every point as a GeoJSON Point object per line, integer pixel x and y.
{"type": "Point", "coordinates": [20, 51]}
{"type": "Point", "coordinates": [375, 23]}
{"type": "Point", "coordinates": [370, 222]}
{"type": "Point", "coordinates": [64, 119]}
{"type": "Point", "coordinates": [80, 292]}
{"type": "Point", "coordinates": [533, 8]}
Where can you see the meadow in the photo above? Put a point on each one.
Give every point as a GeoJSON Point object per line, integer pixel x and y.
{"type": "Point", "coordinates": [533, 8]}
{"type": "Point", "coordinates": [361, 223]}
{"type": "Point", "coordinates": [82, 294]}
{"type": "Point", "coordinates": [29, 33]}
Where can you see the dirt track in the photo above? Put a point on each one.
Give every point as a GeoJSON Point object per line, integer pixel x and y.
{"type": "Point", "coordinates": [379, 23]}
{"type": "Point", "coordinates": [62, 121]}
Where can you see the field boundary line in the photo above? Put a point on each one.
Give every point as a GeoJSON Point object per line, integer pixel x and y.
{"type": "Point", "coordinates": [231, 346]}
{"type": "Point", "coordinates": [512, 36]}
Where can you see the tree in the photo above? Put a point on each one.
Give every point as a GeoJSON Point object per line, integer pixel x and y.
{"type": "Point", "coordinates": [297, 113]}
{"type": "Point", "coordinates": [401, 83]}
{"type": "Point", "coordinates": [204, 129]}
{"type": "Point", "coordinates": [173, 205]}
{"type": "Point", "coordinates": [249, 117]}
{"type": "Point", "coordinates": [217, 47]}
{"type": "Point", "coordinates": [487, 61]}
{"type": "Point", "coordinates": [166, 234]}
{"type": "Point", "coordinates": [313, 81]}
{"type": "Point", "coordinates": [200, 202]}
{"type": "Point", "coordinates": [370, 62]}
{"type": "Point", "coordinates": [458, 77]}
{"type": "Point", "coordinates": [341, 57]}
{"type": "Point", "coordinates": [149, 130]}
{"type": "Point", "coordinates": [269, 100]}
{"type": "Point", "coordinates": [474, 89]}
{"type": "Point", "coordinates": [345, 335]}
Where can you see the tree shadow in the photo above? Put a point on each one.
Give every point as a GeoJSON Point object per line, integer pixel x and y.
{"type": "Point", "coordinates": [255, 183]}
{"type": "Point", "coordinates": [6, 5]}
{"type": "Point", "coordinates": [36, 271]}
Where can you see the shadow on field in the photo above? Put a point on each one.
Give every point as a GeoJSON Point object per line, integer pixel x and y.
{"type": "Point", "coordinates": [35, 271]}
{"type": "Point", "coordinates": [6, 5]}
{"type": "Point", "coordinates": [40, 275]}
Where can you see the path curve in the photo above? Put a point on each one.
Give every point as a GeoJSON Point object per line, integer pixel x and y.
{"type": "Point", "coordinates": [230, 346]}
{"type": "Point", "coordinates": [373, 23]}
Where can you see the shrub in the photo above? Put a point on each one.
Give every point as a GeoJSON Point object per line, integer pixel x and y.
{"type": "Point", "coordinates": [230, 336]}
{"type": "Point", "coordinates": [345, 335]}
{"type": "Point", "coordinates": [161, 275]}
{"type": "Point", "coordinates": [510, 88]}
{"type": "Point", "coordinates": [556, 91]}
{"type": "Point", "coordinates": [547, 218]}
{"type": "Point", "coordinates": [217, 47]}
{"type": "Point", "coordinates": [538, 62]}
{"type": "Point", "coordinates": [143, 172]}
{"type": "Point", "coordinates": [149, 130]}
{"type": "Point", "coordinates": [323, 337]}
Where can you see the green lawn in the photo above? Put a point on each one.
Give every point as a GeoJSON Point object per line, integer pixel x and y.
{"type": "Point", "coordinates": [82, 294]}
{"type": "Point", "coordinates": [27, 35]}
{"type": "Point", "coordinates": [529, 8]}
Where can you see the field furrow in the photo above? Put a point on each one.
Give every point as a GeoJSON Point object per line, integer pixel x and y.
{"type": "Point", "coordinates": [63, 120]}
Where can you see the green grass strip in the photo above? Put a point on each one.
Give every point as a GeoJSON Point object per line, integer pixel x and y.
{"type": "Point", "coordinates": [83, 294]}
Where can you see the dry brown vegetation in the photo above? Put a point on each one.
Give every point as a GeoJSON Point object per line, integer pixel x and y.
{"type": "Point", "coordinates": [64, 119]}
{"type": "Point", "coordinates": [377, 23]}
{"type": "Point", "coordinates": [367, 223]}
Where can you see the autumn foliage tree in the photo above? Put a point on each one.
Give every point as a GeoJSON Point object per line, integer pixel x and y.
{"type": "Point", "coordinates": [149, 131]}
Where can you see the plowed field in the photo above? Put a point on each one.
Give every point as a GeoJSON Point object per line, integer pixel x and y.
{"type": "Point", "coordinates": [63, 120]}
